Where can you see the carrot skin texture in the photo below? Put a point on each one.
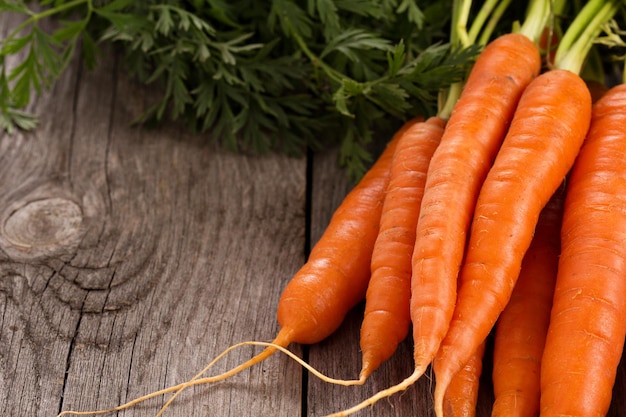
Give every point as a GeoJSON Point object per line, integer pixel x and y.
{"type": "Point", "coordinates": [472, 136]}
{"type": "Point", "coordinates": [386, 320]}
{"type": "Point", "coordinates": [461, 398]}
{"type": "Point", "coordinates": [336, 275]}
{"type": "Point", "coordinates": [587, 325]}
{"type": "Point", "coordinates": [550, 124]}
{"type": "Point", "coordinates": [521, 329]}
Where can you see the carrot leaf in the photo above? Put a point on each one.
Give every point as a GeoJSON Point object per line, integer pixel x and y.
{"type": "Point", "coordinates": [240, 70]}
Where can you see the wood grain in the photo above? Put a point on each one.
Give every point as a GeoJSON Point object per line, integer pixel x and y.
{"type": "Point", "coordinates": [129, 258]}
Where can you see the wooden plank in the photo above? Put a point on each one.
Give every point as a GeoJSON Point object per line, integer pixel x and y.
{"type": "Point", "coordinates": [129, 258]}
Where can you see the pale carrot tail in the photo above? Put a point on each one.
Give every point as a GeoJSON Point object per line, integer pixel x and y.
{"type": "Point", "coordinates": [402, 386]}
{"type": "Point", "coordinates": [177, 389]}
{"type": "Point", "coordinates": [278, 344]}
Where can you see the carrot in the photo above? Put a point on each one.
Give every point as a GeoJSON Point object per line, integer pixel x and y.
{"type": "Point", "coordinates": [473, 135]}
{"type": "Point", "coordinates": [523, 324]}
{"type": "Point", "coordinates": [544, 138]}
{"type": "Point", "coordinates": [332, 281]}
{"type": "Point", "coordinates": [335, 278]}
{"type": "Point", "coordinates": [587, 325]}
{"type": "Point", "coordinates": [461, 397]}
{"type": "Point", "coordinates": [470, 141]}
{"type": "Point", "coordinates": [546, 133]}
{"type": "Point", "coordinates": [387, 311]}
{"type": "Point", "coordinates": [387, 318]}
{"type": "Point", "coordinates": [521, 328]}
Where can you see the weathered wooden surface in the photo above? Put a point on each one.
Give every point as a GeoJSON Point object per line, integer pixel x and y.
{"type": "Point", "coordinates": [129, 258]}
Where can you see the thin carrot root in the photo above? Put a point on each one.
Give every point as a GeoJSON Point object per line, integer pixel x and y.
{"type": "Point", "coordinates": [175, 388]}
{"type": "Point", "coordinates": [270, 348]}
{"type": "Point", "coordinates": [402, 386]}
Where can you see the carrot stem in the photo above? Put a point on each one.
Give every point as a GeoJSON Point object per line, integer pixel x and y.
{"type": "Point", "coordinates": [460, 37]}
{"type": "Point", "coordinates": [460, 15]}
{"type": "Point", "coordinates": [481, 18]}
{"type": "Point", "coordinates": [536, 19]}
{"type": "Point", "coordinates": [452, 96]}
{"type": "Point", "coordinates": [575, 28]}
{"type": "Point", "coordinates": [493, 21]}
{"type": "Point", "coordinates": [582, 32]}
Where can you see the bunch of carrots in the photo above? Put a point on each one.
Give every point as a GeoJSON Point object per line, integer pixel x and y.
{"type": "Point", "coordinates": [503, 214]}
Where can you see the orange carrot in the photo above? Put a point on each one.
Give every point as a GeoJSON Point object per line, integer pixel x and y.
{"type": "Point", "coordinates": [471, 139]}
{"type": "Point", "coordinates": [461, 398]}
{"type": "Point", "coordinates": [521, 328]}
{"type": "Point", "coordinates": [335, 277]}
{"type": "Point", "coordinates": [386, 319]}
{"type": "Point", "coordinates": [587, 326]}
{"type": "Point", "coordinates": [545, 135]}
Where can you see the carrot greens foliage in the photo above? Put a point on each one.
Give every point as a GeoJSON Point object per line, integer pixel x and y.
{"type": "Point", "coordinates": [254, 74]}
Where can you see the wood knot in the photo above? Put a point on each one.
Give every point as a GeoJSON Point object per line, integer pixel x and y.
{"type": "Point", "coordinates": [42, 227]}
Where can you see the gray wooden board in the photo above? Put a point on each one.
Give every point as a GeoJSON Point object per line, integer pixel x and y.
{"type": "Point", "coordinates": [129, 258]}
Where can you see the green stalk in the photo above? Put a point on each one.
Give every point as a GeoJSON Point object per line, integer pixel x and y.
{"type": "Point", "coordinates": [316, 61]}
{"type": "Point", "coordinates": [582, 33]}
{"type": "Point", "coordinates": [493, 21]}
{"type": "Point", "coordinates": [451, 97]}
{"type": "Point", "coordinates": [35, 17]}
{"type": "Point", "coordinates": [536, 19]}
{"type": "Point", "coordinates": [460, 15]}
{"type": "Point", "coordinates": [558, 6]}
{"type": "Point", "coordinates": [580, 23]}
{"type": "Point", "coordinates": [460, 37]}
{"type": "Point", "coordinates": [480, 19]}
